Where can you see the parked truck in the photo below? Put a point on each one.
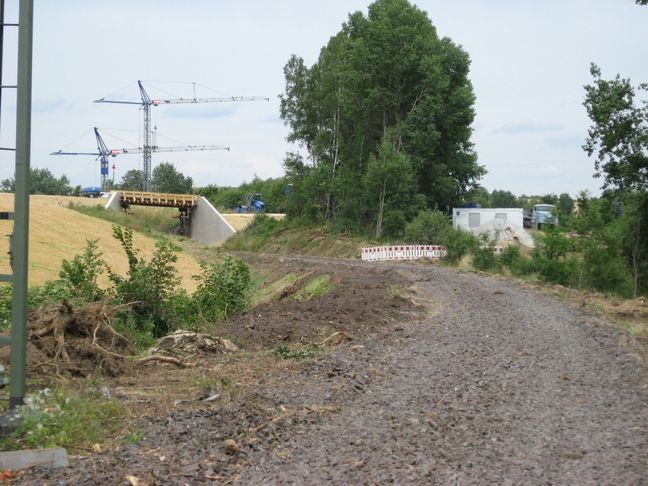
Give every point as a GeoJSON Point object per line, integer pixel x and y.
{"type": "Point", "coordinates": [540, 215]}
{"type": "Point", "coordinates": [91, 191]}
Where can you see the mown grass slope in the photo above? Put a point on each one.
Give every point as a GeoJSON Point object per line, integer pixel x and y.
{"type": "Point", "coordinates": [57, 233]}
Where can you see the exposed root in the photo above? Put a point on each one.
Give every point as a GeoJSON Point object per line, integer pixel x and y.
{"type": "Point", "coordinates": [163, 359]}
{"type": "Point", "coordinates": [78, 342]}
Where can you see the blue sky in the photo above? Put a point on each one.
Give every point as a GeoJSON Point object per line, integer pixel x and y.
{"type": "Point", "coordinates": [530, 61]}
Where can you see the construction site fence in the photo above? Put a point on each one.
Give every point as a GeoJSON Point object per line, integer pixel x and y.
{"type": "Point", "coordinates": [403, 252]}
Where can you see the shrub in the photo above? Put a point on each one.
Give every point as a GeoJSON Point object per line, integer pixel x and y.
{"type": "Point", "coordinates": [551, 259]}
{"type": "Point", "coordinates": [484, 258]}
{"type": "Point", "coordinates": [222, 289]}
{"type": "Point", "coordinates": [80, 275]}
{"type": "Point", "coordinates": [147, 285]}
{"type": "Point", "coordinates": [428, 228]}
{"type": "Point", "coordinates": [517, 264]}
{"type": "Point", "coordinates": [459, 243]}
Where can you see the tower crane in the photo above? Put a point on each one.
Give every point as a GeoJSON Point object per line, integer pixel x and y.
{"type": "Point", "coordinates": [103, 152]}
{"type": "Point", "coordinates": [146, 105]}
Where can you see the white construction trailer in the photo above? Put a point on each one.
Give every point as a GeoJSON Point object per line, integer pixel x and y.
{"type": "Point", "coordinates": [471, 219]}
{"type": "Point", "coordinates": [496, 224]}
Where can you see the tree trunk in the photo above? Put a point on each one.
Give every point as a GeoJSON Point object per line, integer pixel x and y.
{"type": "Point", "coordinates": [635, 258]}
{"type": "Point", "coordinates": [381, 209]}
{"type": "Point", "coordinates": [336, 149]}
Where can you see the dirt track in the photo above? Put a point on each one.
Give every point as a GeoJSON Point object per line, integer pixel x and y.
{"type": "Point", "coordinates": [488, 382]}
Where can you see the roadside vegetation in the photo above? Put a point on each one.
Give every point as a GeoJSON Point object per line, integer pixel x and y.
{"type": "Point", "coordinates": [383, 118]}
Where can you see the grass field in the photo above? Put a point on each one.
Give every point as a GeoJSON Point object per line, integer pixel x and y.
{"type": "Point", "coordinates": [57, 232]}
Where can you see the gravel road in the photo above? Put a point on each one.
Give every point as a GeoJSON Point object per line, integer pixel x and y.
{"type": "Point", "coordinates": [492, 383]}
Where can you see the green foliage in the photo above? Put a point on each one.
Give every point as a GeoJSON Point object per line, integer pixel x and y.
{"type": "Point", "coordinates": [319, 285]}
{"type": "Point", "coordinates": [166, 178]}
{"type": "Point", "coordinates": [390, 181]}
{"type": "Point", "coordinates": [257, 234]}
{"type": "Point", "coordinates": [305, 351]}
{"type": "Point", "coordinates": [272, 191]}
{"type": "Point", "coordinates": [428, 228]}
{"type": "Point", "coordinates": [459, 244]}
{"type": "Point", "coordinates": [42, 181]}
{"type": "Point", "coordinates": [222, 289]}
{"type": "Point", "coordinates": [551, 259]}
{"type": "Point", "coordinates": [52, 291]}
{"type": "Point", "coordinates": [132, 180]}
{"type": "Point", "coordinates": [565, 204]}
{"type": "Point", "coordinates": [484, 258]}
{"type": "Point", "coordinates": [147, 285]}
{"type": "Point", "coordinates": [434, 228]}
{"type": "Point", "coordinates": [64, 419]}
{"type": "Point", "coordinates": [512, 259]}
{"type": "Point", "coordinates": [478, 195]}
{"type": "Point", "coordinates": [80, 275]}
{"type": "Point", "coordinates": [503, 199]}
{"type": "Point", "coordinates": [5, 306]}
{"type": "Point", "coordinates": [134, 437]}
{"type": "Point", "coordinates": [386, 75]}
{"type": "Point", "coordinates": [619, 132]}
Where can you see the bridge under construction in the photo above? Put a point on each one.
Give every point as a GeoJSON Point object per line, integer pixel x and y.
{"type": "Point", "coordinates": [199, 220]}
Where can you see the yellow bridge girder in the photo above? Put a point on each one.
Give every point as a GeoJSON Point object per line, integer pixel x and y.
{"type": "Point", "coordinates": [138, 198]}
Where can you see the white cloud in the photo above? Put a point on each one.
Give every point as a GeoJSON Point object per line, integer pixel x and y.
{"type": "Point", "coordinates": [529, 64]}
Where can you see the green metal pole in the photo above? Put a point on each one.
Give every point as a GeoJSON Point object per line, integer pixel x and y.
{"type": "Point", "coordinates": [21, 206]}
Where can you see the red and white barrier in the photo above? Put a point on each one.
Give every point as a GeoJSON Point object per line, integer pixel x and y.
{"type": "Point", "coordinates": [403, 252]}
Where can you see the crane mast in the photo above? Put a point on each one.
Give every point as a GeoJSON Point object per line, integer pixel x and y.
{"type": "Point", "coordinates": [103, 152]}
{"type": "Point", "coordinates": [146, 104]}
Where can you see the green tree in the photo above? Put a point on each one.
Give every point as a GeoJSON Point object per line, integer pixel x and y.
{"type": "Point", "coordinates": [565, 204]}
{"type": "Point", "coordinates": [166, 178]}
{"type": "Point", "coordinates": [131, 180]}
{"type": "Point", "coordinates": [389, 180]}
{"type": "Point", "coordinates": [478, 195]}
{"type": "Point", "coordinates": [618, 137]}
{"type": "Point", "coordinates": [387, 72]}
{"type": "Point", "coordinates": [619, 132]}
{"type": "Point", "coordinates": [503, 199]}
{"type": "Point", "coordinates": [42, 182]}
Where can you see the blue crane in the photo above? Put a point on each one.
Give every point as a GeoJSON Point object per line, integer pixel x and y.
{"type": "Point", "coordinates": [146, 103]}
{"type": "Point", "coordinates": [103, 152]}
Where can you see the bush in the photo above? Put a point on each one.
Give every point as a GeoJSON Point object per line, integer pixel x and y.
{"type": "Point", "coordinates": [484, 259]}
{"type": "Point", "coordinates": [552, 260]}
{"type": "Point", "coordinates": [428, 228]}
{"type": "Point", "coordinates": [80, 275]}
{"type": "Point", "coordinates": [515, 262]}
{"type": "Point", "coordinates": [458, 244]}
{"type": "Point", "coordinates": [222, 289]}
{"type": "Point", "coordinates": [148, 285]}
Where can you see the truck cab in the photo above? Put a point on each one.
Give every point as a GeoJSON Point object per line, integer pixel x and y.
{"type": "Point", "coordinates": [543, 214]}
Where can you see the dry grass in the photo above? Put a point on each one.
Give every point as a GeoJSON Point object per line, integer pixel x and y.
{"type": "Point", "coordinates": [241, 221]}
{"type": "Point", "coordinates": [57, 233]}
